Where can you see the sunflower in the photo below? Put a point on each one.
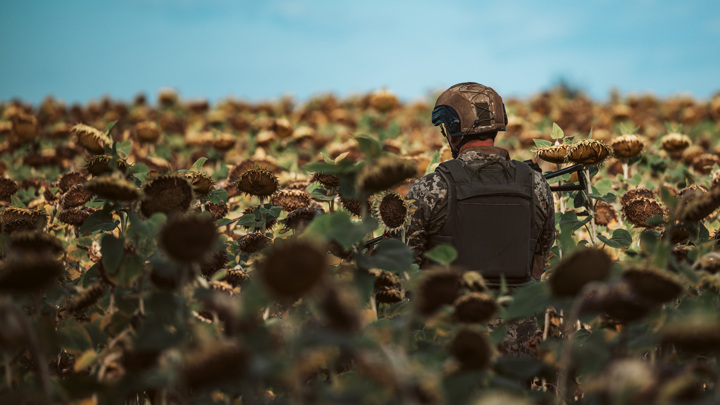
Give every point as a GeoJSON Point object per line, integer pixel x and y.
{"type": "Point", "coordinates": [475, 307]}
{"type": "Point", "coordinates": [704, 163]}
{"type": "Point", "coordinates": [9, 214]}
{"type": "Point", "coordinates": [85, 299]}
{"type": "Point", "coordinates": [582, 266]}
{"type": "Point", "coordinates": [258, 182]}
{"type": "Point", "coordinates": [188, 239]}
{"type": "Point", "coordinates": [554, 154]}
{"type": "Point", "coordinates": [25, 127]}
{"type": "Point", "coordinates": [675, 142]}
{"type": "Point", "coordinates": [201, 183]}
{"type": "Point", "coordinates": [391, 210]}
{"type": "Point", "coordinates": [147, 131]}
{"type": "Point", "coordinates": [605, 213]}
{"type": "Point", "coordinates": [437, 288]}
{"type": "Point", "coordinates": [654, 284]}
{"type": "Point", "coordinates": [100, 164]}
{"type": "Point", "coordinates": [300, 218]}
{"type": "Point", "coordinates": [74, 216]}
{"type": "Point", "coordinates": [8, 187]}
{"type": "Point", "coordinates": [91, 139]}
{"type": "Point", "coordinates": [589, 152]}
{"type": "Point", "coordinates": [253, 242]}
{"type": "Point", "coordinates": [329, 181]}
{"type": "Point", "coordinates": [638, 210]}
{"type": "Point", "coordinates": [36, 241]}
{"type": "Point", "coordinates": [291, 200]}
{"type": "Point", "coordinates": [385, 173]}
{"type": "Point", "coordinates": [292, 267]}
{"type": "Point", "coordinates": [471, 349]}
{"type": "Point", "coordinates": [627, 146]}
{"type": "Point", "coordinates": [28, 272]}
{"type": "Point", "coordinates": [169, 194]}
{"type": "Point", "coordinates": [76, 196]}
{"type": "Point", "coordinates": [70, 179]}
{"type": "Point", "coordinates": [114, 187]}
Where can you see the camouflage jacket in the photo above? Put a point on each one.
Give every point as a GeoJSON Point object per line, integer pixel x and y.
{"type": "Point", "coordinates": [429, 199]}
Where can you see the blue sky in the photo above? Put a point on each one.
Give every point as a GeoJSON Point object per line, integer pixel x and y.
{"type": "Point", "coordinates": [79, 50]}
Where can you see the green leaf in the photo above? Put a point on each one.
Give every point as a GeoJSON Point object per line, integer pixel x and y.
{"type": "Point", "coordinates": [226, 221]}
{"type": "Point", "coordinates": [541, 143]}
{"type": "Point", "coordinates": [655, 220]}
{"type": "Point", "coordinates": [339, 227]}
{"type": "Point", "coordinates": [110, 127]}
{"type": "Point", "coordinates": [370, 147]}
{"type": "Point", "coordinates": [620, 239]}
{"type": "Point", "coordinates": [569, 222]}
{"type": "Point", "coordinates": [528, 301]}
{"type": "Point", "coordinates": [317, 191]}
{"type": "Point", "coordinates": [218, 196]}
{"type": "Point", "coordinates": [199, 164]}
{"type": "Point", "coordinates": [138, 170]}
{"type": "Point", "coordinates": [247, 220]}
{"type": "Point", "coordinates": [101, 220]}
{"type": "Point", "coordinates": [112, 251]}
{"type": "Point", "coordinates": [124, 147]}
{"type": "Point", "coordinates": [130, 270]}
{"type": "Point", "coordinates": [557, 132]}
{"type": "Point", "coordinates": [16, 202]}
{"type": "Point", "coordinates": [72, 336]}
{"type": "Point", "coordinates": [390, 254]}
{"type": "Point", "coordinates": [443, 254]}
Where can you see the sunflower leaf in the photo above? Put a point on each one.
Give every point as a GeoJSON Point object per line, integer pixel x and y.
{"type": "Point", "coordinates": [557, 132]}
{"type": "Point", "coordinates": [541, 143]}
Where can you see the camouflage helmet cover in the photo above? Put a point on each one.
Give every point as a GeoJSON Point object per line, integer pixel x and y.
{"type": "Point", "coordinates": [479, 108]}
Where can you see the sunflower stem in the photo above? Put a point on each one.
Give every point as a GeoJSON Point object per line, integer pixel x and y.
{"type": "Point", "coordinates": [591, 209]}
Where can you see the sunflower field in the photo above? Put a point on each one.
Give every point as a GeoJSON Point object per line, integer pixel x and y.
{"type": "Point", "coordinates": [185, 252]}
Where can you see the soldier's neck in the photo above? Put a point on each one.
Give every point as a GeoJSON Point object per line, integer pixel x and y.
{"type": "Point", "coordinates": [485, 147]}
{"type": "Point", "coordinates": [477, 142]}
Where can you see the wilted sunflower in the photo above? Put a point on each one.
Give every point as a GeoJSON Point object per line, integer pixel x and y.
{"type": "Point", "coordinates": [554, 154]}
{"type": "Point", "coordinates": [339, 305]}
{"type": "Point", "coordinates": [291, 200]}
{"type": "Point", "coordinates": [147, 131]}
{"type": "Point", "coordinates": [86, 298]}
{"type": "Point", "coordinates": [699, 207]}
{"type": "Point", "coordinates": [114, 187]}
{"type": "Point", "coordinates": [704, 163]}
{"type": "Point", "coordinates": [214, 263]}
{"type": "Point", "coordinates": [695, 333]}
{"type": "Point", "coordinates": [19, 225]}
{"type": "Point", "coordinates": [300, 218]}
{"type": "Point", "coordinates": [70, 179]}
{"type": "Point", "coordinates": [384, 173]}
{"type": "Point", "coordinates": [653, 284]}
{"type": "Point", "coordinates": [100, 164]}
{"type": "Point", "coordinates": [709, 262]}
{"type": "Point", "coordinates": [189, 238]}
{"type": "Point", "coordinates": [91, 139]}
{"type": "Point", "coordinates": [691, 152]}
{"type": "Point", "coordinates": [605, 213]}
{"type": "Point", "coordinates": [475, 307]}
{"type": "Point", "coordinates": [258, 182]}
{"type": "Point", "coordinates": [168, 194]}
{"type": "Point", "coordinates": [383, 100]}
{"type": "Point", "coordinates": [387, 287]}
{"type": "Point", "coordinates": [74, 216]}
{"type": "Point", "coordinates": [201, 183]}
{"type": "Point", "coordinates": [471, 349]}
{"type": "Point", "coordinates": [28, 272]}
{"type": "Point", "coordinates": [292, 267]}
{"type": "Point", "coordinates": [329, 181]}
{"type": "Point", "coordinates": [9, 214]}
{"type": "Point", "coordinates": [582, 266]}
{"type": "Point", "coordinates": [8, 187]}
{"type": "Point", "coordinates": [213, 363]}
{"type": "Point", "coordinates": [392, 211]}
{"type": "Point", "coordinates": [675, 142]}
{"type": "Point", "coordinates": [352, 205]}
{"type": "Point", "coordinates": [35, 241]}
{"type": "Point", "coordinates": [627, 146]}
{"type": "Point", "coordinates": [638, 210]}
{"type": "Point", "coordinates": [216, 210]}
{"type": "Point", "coordinates": [253, 242]}
{"type": "Point", "coordinates": [236, 277]}
{"type": "Point", "coordinates": [25, 127]}
{"type": "Point", "coordinates": [224, 142]}
{"type": "Point", "coordinates": [635, 193]}
{"type": "Point", "coordinates": [589, 152]}
{"type": "Point", "coordinates": [437, 288]}
{"type": "Point", "coordinates": [76, 196]}
{"type": "Point", "coordinates": [619, 301]}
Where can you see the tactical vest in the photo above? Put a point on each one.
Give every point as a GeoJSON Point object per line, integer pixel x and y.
{"type": "Point", "coordinates": [490, 219]}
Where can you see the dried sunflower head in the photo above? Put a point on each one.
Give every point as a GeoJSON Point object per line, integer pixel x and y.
{"type": "Point", "coordinates": [216, 210]}
{"type": "Point", "coordinates": [471, 349]}
{"type": "Point", "coordinates": [627, 146]}
{"type": "Point", "coordinates": [385, 173]}
{"type": "Point", "coordinates": [70, 179]}
{"type": "Point", "coordinates": [605, 213]}
{"type": "Point", "coordinates": [114, 187]}
{"type": "Point", "coordinates": [28, 272]}
{"type": "Point", "coordinates": [696, 333]}
{"type": "Point", "coordinates": [329, 181]}
{"type": "Point", "coordinates": [437, 288]}
{"type": "Point", "coordinates": [86, 298]}
{"type": "Point", "coordinates": [91, 139]}
{"type": "Point", "coordinates": [392, 211]}
{"type": "Point", "coordinates": [341, 309]}
{"type": "Point", "coordinates": [25, 127]}
{"type": "Point", "coordinates": [699, 205]}
{"type": "Point", "coordinates": [675, 142]}
{"type": "Point", "coordinates": [224, 142]}
{"type": "Point", "coordinates": [582, 266]}
{"type": "Point", "coordinates": [475, 307]}
{"type": "Point", "coordinates": [589, 152]}
{"type": "Point", "coordinates": [201, 183]}
{"type": "Point", "coordinates": [147, 131]}
{"type": "Point", "coordinates": [19, 225]}
{"type": "Point", "coordinates": [258, 182]}
{"type": "Point", "coordinates": [188, 239]}
{"type": "Point", "coordinates": [76, 196]}
{"type": "Point", "coordinates": [635, 193]}
{"type": "Point", "coordinates": [8, 187]}
{"type": "Point", "coordinates": [704, 163]}
{"type": "Point", "coordinates": [74, 216]}
{"type": "Point", "coordinates": [36, 241]}
{"type": "Point", "coordinates": [292, 267]}
{"type": "Point", "coordinates": [709, 262]}
{"type": "Point", "coordinates": [300, 218]}
{"type": "Point", "coordinates": [554, 154]}
{"type": "Point", "coordinates": [352, 205]}
{"type": "Point", "coordinates": [653, 284]}
{"type": "Point", "coordinates": [214, 263]}
{"type": "Point", "coordinates": [638, 210]}
{"type": "Point", "coordinates": [691, 152]}
{"type": "Point", "coordinates": [383, 100]}
{"type": "Point", "coordinates": [236, 277]}
{"type": "Point", "coordinates": [291, 200]}
{"type": "Point", "coordinates": [37, 217]}
{"type": "Point", "coordinates": [253, 242]}
{"type": "Point", "coordinates": [168, 194]}
{"type": "Point", "coordinates": [100, 164]}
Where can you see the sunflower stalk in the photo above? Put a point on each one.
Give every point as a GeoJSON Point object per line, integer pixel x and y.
{"type": "Point", "coordinates": [591, 209]}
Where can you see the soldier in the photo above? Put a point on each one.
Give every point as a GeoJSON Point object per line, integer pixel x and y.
{"type": "Point", "coordinates": [498, 213]}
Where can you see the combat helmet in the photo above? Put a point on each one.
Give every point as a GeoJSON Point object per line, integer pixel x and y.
{"type": "Point", "coordinates": [470, 108]}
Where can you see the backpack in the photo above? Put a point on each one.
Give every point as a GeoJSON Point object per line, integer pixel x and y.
{"type": "Point", "coordinates": [490, 219]}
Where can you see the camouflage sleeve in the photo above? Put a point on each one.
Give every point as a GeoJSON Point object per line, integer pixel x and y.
{"type": "Point", "coordinates": [547, 205]}
{"type": "Point", "coordinates": [425, 199]}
